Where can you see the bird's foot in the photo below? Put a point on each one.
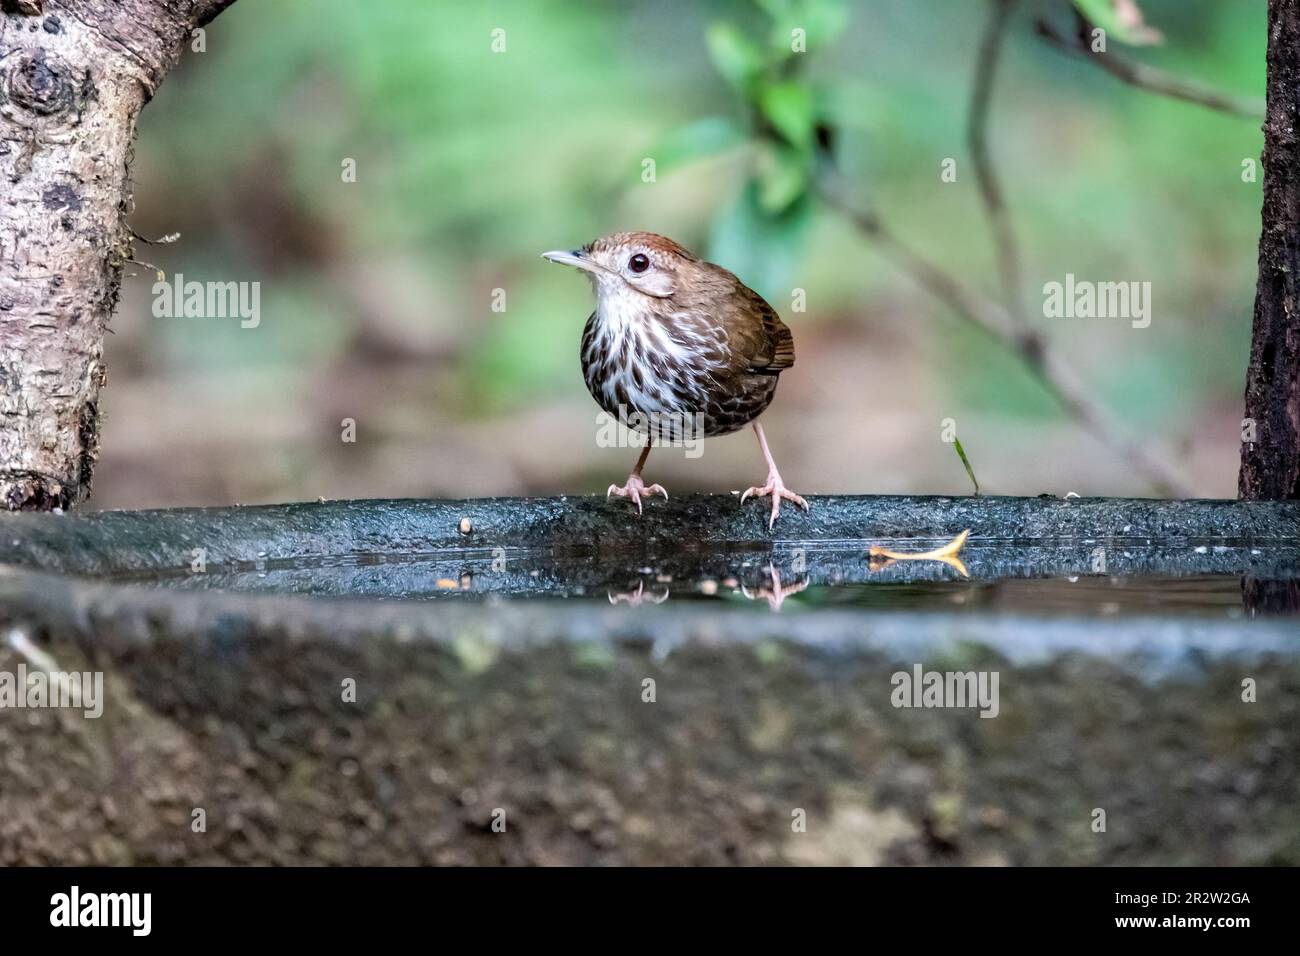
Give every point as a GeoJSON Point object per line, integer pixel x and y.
{"type": "Point", "coordinates": [634, 489]}
{"type": "Point", "coordinates": [635, 598]}
{"type": "Point", "coordinates": [777, 489]}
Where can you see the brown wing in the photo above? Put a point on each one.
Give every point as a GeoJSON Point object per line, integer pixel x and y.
{"type": "Point", "coordinates": [758, 337]}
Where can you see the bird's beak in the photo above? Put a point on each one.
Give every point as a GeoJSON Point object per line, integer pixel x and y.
{"type": "Point", "coordinates": [577, 258]}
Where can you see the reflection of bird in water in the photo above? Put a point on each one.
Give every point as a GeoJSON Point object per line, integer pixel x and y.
{"type": "Point", "coordinates": [776, 594]}
{"type": "Point", "coordinates": [637, 597]}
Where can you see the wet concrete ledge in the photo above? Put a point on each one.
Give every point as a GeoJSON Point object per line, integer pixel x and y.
{"type": "Point", "coordinates": [138, 542]}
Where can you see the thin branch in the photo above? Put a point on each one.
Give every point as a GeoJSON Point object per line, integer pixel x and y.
{"type": "Point", "coordinates": [160, 241]}
{"type": "Point", "coordinates": [1004, 238]}
{"type": "Point", "coordinates": [1056, 376]}
{"type": "Point", "coordinates": [205, 11]}
{"type": "Point", "coordinates": [1150, 78]}
{"type": "Point", "coordinates": [25, 8]}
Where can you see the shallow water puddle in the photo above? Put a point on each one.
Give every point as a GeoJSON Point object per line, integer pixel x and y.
{"type": "Point", "coordinates": [1077, 578]}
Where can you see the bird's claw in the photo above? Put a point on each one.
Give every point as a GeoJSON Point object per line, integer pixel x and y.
{"type": "Point", "coordinates": [634, 598]}
{"type": "Point", "coordinates": [777, 489]}
{"type": "Point", "coordinates": [634, 489]}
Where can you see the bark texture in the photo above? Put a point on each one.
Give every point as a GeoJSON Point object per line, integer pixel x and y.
{"type": "Point", "coordinates": [1270, 465]}
{"type": "Point", "coordinates": [74, 75]}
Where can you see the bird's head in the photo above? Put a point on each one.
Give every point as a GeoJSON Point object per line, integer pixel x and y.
{"type": "Point", "coordinates": [627, 265]}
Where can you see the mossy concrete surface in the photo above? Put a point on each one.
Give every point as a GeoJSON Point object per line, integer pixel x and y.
{"type": "Point", "coordinates": [319, 727]}
{"type": "Point", "coordinates": [537, 714]}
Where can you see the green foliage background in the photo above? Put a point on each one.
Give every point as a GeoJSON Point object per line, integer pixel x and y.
{"type": "Point", "coordinates": [472, 162]}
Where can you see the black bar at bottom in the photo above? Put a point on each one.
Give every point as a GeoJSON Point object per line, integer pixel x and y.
{"type": "Point", "coordinates": [331, 906]}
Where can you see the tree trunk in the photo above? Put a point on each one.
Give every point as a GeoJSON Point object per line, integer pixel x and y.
{"type": "Point", "coordinates": [74, 75]}
{"type": "Point", "coordinates": [1270, 463]}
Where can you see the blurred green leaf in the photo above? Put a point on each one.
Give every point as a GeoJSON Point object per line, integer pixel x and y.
{"type": "Point", "coordinates": [775, 8]}
{"type": "Point", "coordinates": [695, 141]}
{"type": "Point", "coordinates": [782, 179]}
{"type": "Point", "coordinates": [789, 107]}
{"type": "Point", "coordinates": [821, 20]}
{"type": "Point", "coordinates": [735, 56]}
{"type": "Point", "coordinates": [1121, 19]}
{"type": "Point", "coordinates": [761, 248]}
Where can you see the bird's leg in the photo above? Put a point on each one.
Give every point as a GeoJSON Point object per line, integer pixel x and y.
{"type": "Point", "coordinates": [635, 487]}
{"type": "Point", "coordinates": [775, 486]}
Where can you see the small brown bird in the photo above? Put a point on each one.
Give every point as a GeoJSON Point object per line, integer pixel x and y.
{"type": "Point", "coordinates": [679, 349]}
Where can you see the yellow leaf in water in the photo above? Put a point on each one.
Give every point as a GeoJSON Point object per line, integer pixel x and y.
{"type": "Point", "coordinates": [947, 554]}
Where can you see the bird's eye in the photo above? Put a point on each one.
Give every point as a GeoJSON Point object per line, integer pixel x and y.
{"type": "Point", "coordinates": [639, 263]}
